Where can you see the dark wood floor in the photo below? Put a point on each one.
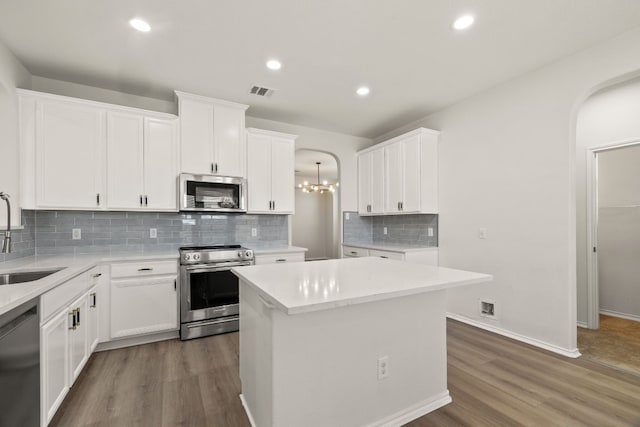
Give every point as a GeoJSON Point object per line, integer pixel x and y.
{"type": "Point", "coordinates": [494, 381]}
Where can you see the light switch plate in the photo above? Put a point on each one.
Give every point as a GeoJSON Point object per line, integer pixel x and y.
{"type": "Point", "coordinates": [384, 230]}
{"type": "Point", "coordinates": [482, 233]}
{"type": "Point", "coordinates": [76, 233]}
{"type": "Point", "coordinates": [346, 216]}
{"type": "Point", "coordinates": [153, 233]}
{"type": "Point", "coordinates": [254, 232]}
{"type": "Point", "coordinates": [430, 231]}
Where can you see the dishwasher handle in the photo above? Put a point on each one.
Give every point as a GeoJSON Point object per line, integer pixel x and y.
{"type": "Point", "coordinates": [9, 327]}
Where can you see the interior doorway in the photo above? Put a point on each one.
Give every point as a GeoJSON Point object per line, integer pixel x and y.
{"type": "Point", "coordinates": [316, 222]}
{"type": "Point", "coordinates": [613, 336]}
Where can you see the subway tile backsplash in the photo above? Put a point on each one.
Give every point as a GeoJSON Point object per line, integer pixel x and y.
{"type": "Point", "coordinates": [50, 232]}
{"type": "Point", "coordinates": [401, 229]}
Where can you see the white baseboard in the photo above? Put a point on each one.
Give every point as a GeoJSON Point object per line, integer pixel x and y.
{"type": "Point", "coordinates": [573, 353]}
{"type": "Point", "coordinates": [582, 324]}
{"type": "Point", "coordinates": [247, 411]}
{"type": "Point", "coordinates": [143, 339]}
{"type": "Point", "coordinates": [620, 315]}
{"type": "Point", "coordinates": [416, 411]}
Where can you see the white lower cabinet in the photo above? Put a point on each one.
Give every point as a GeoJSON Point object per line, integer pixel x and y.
{"type": "Point", "coordinates": [427, 256]}
{"type": "Point", "coordinates": [54, 365]}
{"type": "Point", "coordinates": [279, 258]}
{"type": "Point", "coordinates": [64, 346]}
{"type": "Point", "coordinates": [143, 303]}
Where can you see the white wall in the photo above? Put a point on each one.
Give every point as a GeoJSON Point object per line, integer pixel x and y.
{"type": "Point", "coordinates": [12, 74]}
{"type": "Point", "coordinates": [507, 163]}
{"type": "Point", "coordinates": [619, 231]}
{"type": "Point", "coordinates": [608, 116]}
{"type": "Point", "coordinates": [312, 224]}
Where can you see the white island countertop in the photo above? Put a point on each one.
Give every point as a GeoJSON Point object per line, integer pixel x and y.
{"type": "Point", "coordinates": [319, 285]}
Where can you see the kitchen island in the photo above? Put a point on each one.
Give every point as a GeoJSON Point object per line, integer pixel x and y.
{"type": "Point", "coordinates": [349, 342]}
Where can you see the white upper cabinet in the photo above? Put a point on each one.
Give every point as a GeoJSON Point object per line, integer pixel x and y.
{"type": "Point", "coordinates": [69, 146]}
{"type": "Point", "coordinates": [270, 167]}
{"type": "Point", "coordinates": [125, 152]}
{"type": "Point", "coordinates": [91, 155]}
{"type": "Point", "coordinates": [401, 172]}
{"type": "Point", "coordinates": [371, 182]}
{"type": "Point", "coordinates": [212, 136]}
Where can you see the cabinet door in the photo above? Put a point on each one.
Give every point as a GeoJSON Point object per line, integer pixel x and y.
{"type": "Point", "coordinates": [196, 130]}
{"type": "Point", "coordinates": [229, 156]}
{"type": "Point", "coordinates": [282, 176]}
{"type": "Point", "coordinates": [92, 318]}
{"type": "Point", "coordinates": [393, 177]}
{"type": "Point", "coordinates": [142, 306]}
{"type": "Point", "coordinates": [377, 181]}
{"type": "Point", "coordinates": [411, 174]}
{"type": "Point", "coordinates": [69, 155]}
{"type": "Point", "coordinates": [54, 359]}
{"type": "Point", "coordinates": [78, 354]}
{"type": "Point", "coordinates": [364, 183]}
{"type": "Point", "coordinates": [160, 164]}
{"type": "Point", "coordinates": [258, 173]}
{"type": "Point", "coordinates": [125, 138]}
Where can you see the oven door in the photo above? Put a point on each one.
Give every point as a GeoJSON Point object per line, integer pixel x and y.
{"type": "Point", "coordinates": [208, 291]}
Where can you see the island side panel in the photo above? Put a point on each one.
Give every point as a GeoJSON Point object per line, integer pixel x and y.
{"type": "Point", "coordinates": [255, 356]}
{"type": "Point", "coordinates": [325, 363]}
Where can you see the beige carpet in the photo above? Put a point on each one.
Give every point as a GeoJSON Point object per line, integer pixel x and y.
{"type": "Point", "coordinates": [616, 343]}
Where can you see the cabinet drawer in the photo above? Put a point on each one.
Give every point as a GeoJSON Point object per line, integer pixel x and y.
{"type": "Point", "coordinates": [144, 268]}
{"type": "Point", "coordinates": [59, 297]}
{"type": "Point", "coordinates": [279, 258]}
{"type": "Point", "coordinates": [384, 254]}
{"type": "Point", "coordinates": [350, 251]}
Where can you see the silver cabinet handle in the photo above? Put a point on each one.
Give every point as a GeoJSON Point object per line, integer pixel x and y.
{"type": "Point", "coordinates": [274, 205]}
{"type": "Point", "coordinates": [354, 252]}
{"type": "Point", "coordinates": [212, 169]}
{"type": "Point", "coordinates": [216, 168]}
{"type": "Point", "coordinates": [77, 317]}
{"type": "Point", "coordinates": [73, 320]}
{"type": "Point", "coordinates": [95, 276]}
{"type": "Point", "coordinates": [145, 269]}
{"type": "Point", "coordinates": [281, 260]}
{"type": "Point", "coordinates": [141, 200]}
{"type": "Point", "coordinates": [93, 295]}
{"type": "Point", "coordinates": [146, 201]}
{"type": "Point", "coordinates": [382, 256]}
{"type": "Point", "coordinates": [98, 199]}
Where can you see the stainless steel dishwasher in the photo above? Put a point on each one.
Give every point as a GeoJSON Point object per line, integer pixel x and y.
{"type": "Point", "coordinates": [20, 367]}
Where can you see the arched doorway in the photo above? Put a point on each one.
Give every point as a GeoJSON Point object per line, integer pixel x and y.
{"type": "Point", "coordinates": [316, 222]}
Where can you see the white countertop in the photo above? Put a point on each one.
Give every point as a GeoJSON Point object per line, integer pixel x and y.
{"type": "Point", "coordinates": [12, 296]}
{"type": "Point", "coordinates": [320, 285]}
{"type": "Point", "coordinates": [392, 247]}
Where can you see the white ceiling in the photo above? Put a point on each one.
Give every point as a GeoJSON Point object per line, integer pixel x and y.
{"type": "Point", "coordinates": [404, 50]}
{"type": "Point", "coordinates": [305, 165]}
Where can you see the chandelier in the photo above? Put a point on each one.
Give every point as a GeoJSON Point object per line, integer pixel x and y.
{"type": "Point", "coordinates": [318, 187]}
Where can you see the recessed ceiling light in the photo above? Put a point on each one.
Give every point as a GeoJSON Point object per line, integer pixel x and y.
{"type": "Point", "coordinates": [363, 91]}
{"type": "Point", "coordinates": [463, 22]}
{"type": "Point", "coordinates": [140, 25]}
{"type": "Point", "coordinates": [274, 64]}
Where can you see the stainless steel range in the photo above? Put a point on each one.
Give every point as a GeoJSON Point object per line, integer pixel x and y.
{"type": "Point", "coordinates": [208, 289]}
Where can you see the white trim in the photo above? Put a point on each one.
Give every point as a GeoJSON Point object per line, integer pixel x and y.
{"type": "Point", "coordinates": [573, 353]}
{"type": "Point", "coordinates": [185, 95]}
{"type": "Point", "coordinates": [247, 411]}
{"type": "Point", "coordinates": [620, 315]}
{"type": "Point", "coordinates": [582, 324]}
{"type": "Point", "coordinates": [415, 411]}
{"type": "Point", "coordinates": [95, 104]}
{"type": "Point", "coordinates": [272, 133]}
{"type": "Point", "coordinates": [415, 132]}
{"type": "Point", "coordinates": [143, 339]}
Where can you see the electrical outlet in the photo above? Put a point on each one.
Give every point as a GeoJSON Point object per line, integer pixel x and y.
{"type": "Point", "coordinates": [482, 233]}
{"type": "Point", "coordinates": [153, 233]}
{"type": "Point", "coordinates": [488, 308]}
{"type": "Point", "coordinates": [76, 233]}
{"type": "Point", "coordinates": [430, 231]}
{"type": "Point", "coordinates": [384, 230]}
{"type": "Point", "coordinates": [254, 232]}
{"type": "Point", "coordinates": [383, 367]}
{"type": "Point", "coordinates": [346, 216]}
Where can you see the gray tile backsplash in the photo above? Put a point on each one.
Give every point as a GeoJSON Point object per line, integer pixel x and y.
{"type": "Point", "coordinates": [401, 229]}
{"type": "Point", "coordinates": [50, 232]}
{"type": "Point", "coordinates": [23, 242]}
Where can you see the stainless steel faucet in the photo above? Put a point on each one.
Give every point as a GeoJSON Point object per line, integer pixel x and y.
{"type": "Point", "coordinates": [6, 242]}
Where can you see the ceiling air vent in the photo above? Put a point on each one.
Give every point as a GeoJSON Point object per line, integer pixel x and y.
{"type": "Point", "coordinates": [260, 91]}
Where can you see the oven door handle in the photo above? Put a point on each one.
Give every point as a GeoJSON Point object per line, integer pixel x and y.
{"type": "Point", "coordinates": [203, 268]}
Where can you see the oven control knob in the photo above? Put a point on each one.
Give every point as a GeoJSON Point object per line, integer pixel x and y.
{"type": "Point", "coordinates": [196, 257]}
{"type": "Point", "coordinates": [248, 254]}
{"type": "Point", "coordinates": [187, 257]}
{"type": "Point", "coordinates": [240, 254]}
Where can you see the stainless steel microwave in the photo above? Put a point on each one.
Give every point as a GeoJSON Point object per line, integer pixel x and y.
{"type": "Point", "coordinates": [212, 193]}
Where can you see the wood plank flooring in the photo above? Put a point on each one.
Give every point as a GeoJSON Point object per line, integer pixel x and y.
{"type": "Point", "coordinates": [494, 381]}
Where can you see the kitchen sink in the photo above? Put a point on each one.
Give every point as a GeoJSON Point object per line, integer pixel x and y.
{"type": "Point", "coordinates": [25, 276]}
